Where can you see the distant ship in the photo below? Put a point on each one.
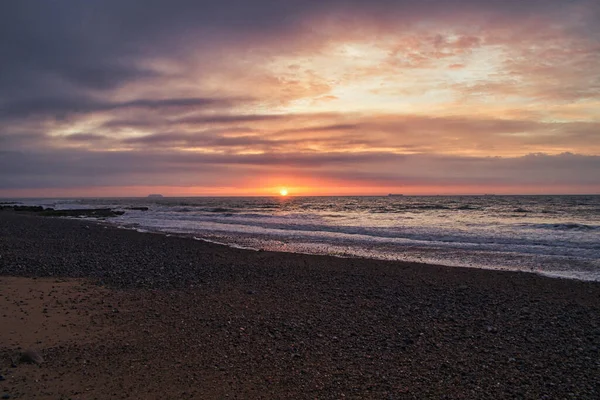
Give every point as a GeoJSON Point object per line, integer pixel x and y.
{"type": "Point", "coordinates": [395, 195]}
{"type": "Point", "coordinates": [155, 196]}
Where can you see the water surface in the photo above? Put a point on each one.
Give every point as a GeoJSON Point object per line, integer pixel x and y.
{"type": "Point", "coordinates": [552, 235]}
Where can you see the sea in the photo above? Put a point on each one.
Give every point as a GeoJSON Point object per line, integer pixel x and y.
{"type": "Point", "coordinates": [557, 236]}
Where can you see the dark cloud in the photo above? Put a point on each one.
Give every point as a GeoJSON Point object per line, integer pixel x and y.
{"type": "Point", "coordinates": [229, 119]}
{"type": "Point", "coordinates": [99, 44]}
{"type": "Point", "coordinates": [64, 46]}
{"type": "Point", "coordinates": [21, 140]}
{"type": "Point", "coordinates": [218, 140]}
{"type": "Point", "coordinates": [155, 121]}
{"type": "Point", "coordinates": [70, 168]}
{"type": "Point", "coordinates": [409, 133]}
{"type": "Point", "coordinates": [76, 47]}
{"type": "Point", "coordinates": [203, 139]}
{"type": "Point", "coordinates": [63, 106]}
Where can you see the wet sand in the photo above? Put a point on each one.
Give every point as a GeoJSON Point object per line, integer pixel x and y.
{"type": "Point", "coordinates": [121, 314]}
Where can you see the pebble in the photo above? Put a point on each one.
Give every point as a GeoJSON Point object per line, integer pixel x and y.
{"type": "Point", "coordinates": [31, 357]}
{"type": "Point", "coordinates": [418, 335]}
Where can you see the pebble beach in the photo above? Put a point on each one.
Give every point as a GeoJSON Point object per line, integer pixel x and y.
{"type": "Point", "coordinates": [115, 313]}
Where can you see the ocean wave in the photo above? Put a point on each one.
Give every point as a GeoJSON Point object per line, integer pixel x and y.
{"type": "Point", "coordinates": [427, 207]}
{"type": "Point", "coordinates": [320, 230]}
{"type": "Point", "coordinates": [219, 210]}
{"type": "Point", "coordinates": [232, 245]}
{"type": "Point", "coordinates": [566, 227]}
{"type": "Point", "coordinates": [181, 209]}
{"type": "Point", "coordinates": [267, 206]}
{"type": "Point", "coordinates": [467, 207]}
{"type": "Point", "coordinates": [499, 230]}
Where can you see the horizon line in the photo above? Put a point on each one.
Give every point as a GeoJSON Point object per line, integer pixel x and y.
{"type": "Point", "coordinates": [300, 196]}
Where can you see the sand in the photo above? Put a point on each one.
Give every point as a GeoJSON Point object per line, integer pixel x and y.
{"type": "Point", "coordinates": [122, 314]}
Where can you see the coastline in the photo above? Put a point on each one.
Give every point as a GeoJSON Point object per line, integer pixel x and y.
{"type": "Point", "coordinates": [215, 321]}
{"type": "Point", "coordinates": [550, 235]}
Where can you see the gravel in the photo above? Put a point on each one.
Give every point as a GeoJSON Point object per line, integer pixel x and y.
{"type": "Point", "coordinates": [191, 319]}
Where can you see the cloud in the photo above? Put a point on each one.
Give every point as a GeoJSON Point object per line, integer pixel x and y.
{"type": "Point", "coordinates": [65, 106]}
{"type": "Point", "coordinates": [228, 119]}
{"type": "Point", "coordinates": [212, 139]}
{"type": "Point", "coordinates": [72, 169]}
{"type": "Point", "coordinates": [382, 91]}
{"type": "Point", "coordinates": [322, 128]}
{"type": "Point", "coordinates": [85, 137]}
{"type": "Point", "coordinates": [320, 132]}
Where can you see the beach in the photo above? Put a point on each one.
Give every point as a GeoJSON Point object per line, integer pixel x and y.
{"type": "Point", "coordinates": [552, 235]}
{"type": "Point", "coordinates": [117, 313]}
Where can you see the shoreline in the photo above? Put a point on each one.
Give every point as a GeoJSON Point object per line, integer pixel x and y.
{"type": "Point", "coordinates": [545, 274]}
{"type": "Point", "coordinates": [553, 246]}
{"type": "Point", "coordinates": [191, 236]}
{"type": "Point", "coordinates": [180, 318]}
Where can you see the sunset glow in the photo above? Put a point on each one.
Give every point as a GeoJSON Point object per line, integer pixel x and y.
{"type": "Point", "coordinates": [365, 98]}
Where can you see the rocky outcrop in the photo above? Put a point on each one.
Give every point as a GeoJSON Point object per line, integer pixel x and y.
{"type": "Point", "coordinates": [50, 212]}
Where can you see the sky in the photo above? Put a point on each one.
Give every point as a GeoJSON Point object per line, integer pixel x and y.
{"type": "Point", "coordinates": [322, 97]}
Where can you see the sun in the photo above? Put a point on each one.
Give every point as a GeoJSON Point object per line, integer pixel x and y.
{"type": "Point", "coordinates": [283, 192]}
